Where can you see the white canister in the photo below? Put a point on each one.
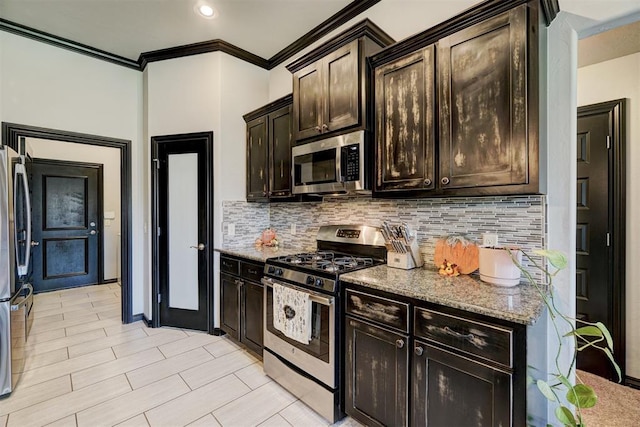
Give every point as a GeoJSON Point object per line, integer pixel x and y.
{"type": "Point", "coordinates": [497, 266]}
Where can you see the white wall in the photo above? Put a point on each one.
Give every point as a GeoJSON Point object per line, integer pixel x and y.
{"type": "Point", "coordinates": [110, 159]}
{"type": "Point", "coordinates": [45, 86]}
{"type": "Point", "coordinates": [202, 93]}
{"type": "Point", "coordinates": [607, 81]}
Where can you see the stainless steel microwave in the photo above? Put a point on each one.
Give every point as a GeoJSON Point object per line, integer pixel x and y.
{"type": "Point", "coordinates": [336, 165]}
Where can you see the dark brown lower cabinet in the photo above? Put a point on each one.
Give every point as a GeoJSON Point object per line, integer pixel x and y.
{"type": "Point", "coordinates": [452, 390]}
{"type": "Point", "coordinates": [252, 321]}
{"type": "Point", "coordinates": [230, 305]}
{"type": "Point", "coordinates": [241, 301]}
{"type": "Point", "coordinates": [377, 362]}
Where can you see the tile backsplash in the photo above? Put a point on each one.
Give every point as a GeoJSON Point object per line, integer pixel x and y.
{"type": "Point", "coordinates": [518, 220]}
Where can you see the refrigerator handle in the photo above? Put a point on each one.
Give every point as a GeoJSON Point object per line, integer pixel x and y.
{"type": "Point", "coordinates": [23, 269]}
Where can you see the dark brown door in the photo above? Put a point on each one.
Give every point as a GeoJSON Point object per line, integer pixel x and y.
{"type": "Point", "coordinates": [67, 213]}
{"type": "Point", "coordinates": [596, 289]}
{"type": "Point", "coordinates": [183, 197]}
{"type": "Point", "coordinates": [230, 288]}
{"type": "Point", "coordinates": [257, 159]}
{"type": "Point", "coordinates": [451, 390]}
{"type": "Point", "coordinates": [341, 108]}
{"type": "Point", "coordinates": [252, 315]}
{"type": "Point", "coordinates": [482, 86]}
{"type": "Point", "coordinates": [280, 139]}
{"type": "Point", "coordinates": [376, 365]}
{"type": "Point", "coordinates": [307, 101]}
{"type": "Point", "coordinates": [405, 131]}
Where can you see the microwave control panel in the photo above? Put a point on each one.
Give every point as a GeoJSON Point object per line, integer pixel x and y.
{"type": "Point", "coordinates": [350, 159]}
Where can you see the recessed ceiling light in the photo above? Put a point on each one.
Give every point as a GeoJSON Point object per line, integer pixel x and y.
{"type": "Point", "coordinates": [206, 10]}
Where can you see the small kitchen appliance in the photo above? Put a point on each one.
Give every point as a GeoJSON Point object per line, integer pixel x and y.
{"type": "Point", "coordinates": [16, 295]}
{"type": "Point", "coordinates": [311, 370]}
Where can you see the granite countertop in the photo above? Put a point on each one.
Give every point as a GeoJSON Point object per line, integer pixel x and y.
{"type": "Point", "coordinates": [520, 304]}
{"type": "Point", "coordinates": [260, 253]}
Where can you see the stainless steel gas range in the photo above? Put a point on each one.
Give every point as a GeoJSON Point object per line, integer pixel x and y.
{"type": "Point", "coordinates": [310, 368]}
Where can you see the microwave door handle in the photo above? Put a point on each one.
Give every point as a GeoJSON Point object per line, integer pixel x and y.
{"type": "Point", "coordinates": [21, 170]}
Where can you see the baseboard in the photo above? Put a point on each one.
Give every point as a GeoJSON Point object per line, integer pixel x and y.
{"type": "Point", "coordinates": [218, 332]}
{"type": "Point", "coordinates": [632, 382]}
{"type": "Point", "coordinates": [107, 281]}
{"type": "Point", "coordinates": [141, 316]}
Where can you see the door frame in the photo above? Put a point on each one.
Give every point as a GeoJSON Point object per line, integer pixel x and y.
{"type": "Point", "coordinates": [100, 225]}
{"type": "Point", "coordinates": [616, 110]}
{"type": "Point", "coordinates": [11, 132]}
{"type": "Point", "coordinates": [207, 138]}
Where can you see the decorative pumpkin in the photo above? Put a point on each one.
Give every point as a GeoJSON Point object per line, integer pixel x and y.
{"type": "Point", "coordinates": [459, 251]}
{"type": "Point", "coordinates": [267, 238]}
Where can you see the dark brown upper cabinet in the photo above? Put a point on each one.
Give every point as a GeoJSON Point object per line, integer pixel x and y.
{"type": "Point", "coordinates": [457, 107]}
{"type": "Point", "coordinates": [483, 103]}
{"type": "Point", "coordinates": [330, 84]}
{"type": "Point", "coordinates": [269, 151]}
{"type": "Point", "coordinates": [405, 130]}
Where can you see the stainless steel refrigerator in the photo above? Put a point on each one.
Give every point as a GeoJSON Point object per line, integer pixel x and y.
{"type": "Point", "coordinates": [16, 294]}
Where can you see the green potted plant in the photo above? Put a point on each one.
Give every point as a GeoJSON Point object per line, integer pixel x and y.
{"type": "Point", "coordinates": [583, 334]}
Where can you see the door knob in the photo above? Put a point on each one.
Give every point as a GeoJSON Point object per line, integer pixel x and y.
{"type": "Point", "coordinates": [200, 247]}
{"type": "Point", "coordinates": [92, 232]}
{"type": "Point", "coordinates": [34, 243]}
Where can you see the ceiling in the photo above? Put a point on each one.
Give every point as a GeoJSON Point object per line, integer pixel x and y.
{"type": "Point", "coordinates": [128, 28]}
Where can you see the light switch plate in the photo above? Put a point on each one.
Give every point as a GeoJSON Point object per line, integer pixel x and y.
{"type": "Point", "coordinates": [293, 229]}
{"type": "Point", "coordinates": [231, 229]}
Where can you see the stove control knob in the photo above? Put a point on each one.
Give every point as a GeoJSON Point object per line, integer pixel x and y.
{"type": "Point", "coordinates": [271, 269]}
{"type": "Point", "coordinates": [310, 280]}
{"type": "Point", "coordinates": [319, 282]}
{"type": "Point", "coordinates": [279, 272]}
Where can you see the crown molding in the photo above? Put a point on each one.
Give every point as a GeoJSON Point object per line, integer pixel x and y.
{"type": "Point", "coordinates": [202, 47]}
{"type": "Point", "coordinates": [550, 9]}
{"type": "Point", "coordinates": [50, 39]}
{"type": "Point", "coordinates": [349, 12]}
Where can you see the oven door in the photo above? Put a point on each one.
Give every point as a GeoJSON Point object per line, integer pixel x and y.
{"type": "Point", "coordinates": [316, 358]}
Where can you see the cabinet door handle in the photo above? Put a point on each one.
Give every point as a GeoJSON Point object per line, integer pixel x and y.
{"type": "Point", "coordinates": [252, 271]}
{"type": "Point", "coordinates": [318, 129]}
{"type": "Point", "coordinates": [418, 350]}
{"type": "Point", "coordinates": [399, 343]}
{"type": "Point", "coordinates": [445, 180]}
{"type": "Point", "coordinates": [468, 337]}
{"type": "Point", "coordinates": [427, 182]}
{"type": "Point", "coordinates": [325, 127]}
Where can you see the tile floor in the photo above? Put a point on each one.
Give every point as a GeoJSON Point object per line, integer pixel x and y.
{"type": "Point", "coordinates": [85, 368]}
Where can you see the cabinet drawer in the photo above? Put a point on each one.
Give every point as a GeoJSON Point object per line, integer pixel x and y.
{"type": "Point", "coordinates": [251, 271]}
{"type": "Point", "coordinates": [230, 265]}
{"type": "Point", "coordinates": [491, 342]}
{"type": "Point", "coordinates": [378, 309]}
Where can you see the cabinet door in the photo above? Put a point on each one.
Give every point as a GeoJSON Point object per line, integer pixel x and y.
{"type": "Point", "coordinates": [405, 131]}
{"type": "Point", "coordinates": [376, 375]}
{"type": "Point", "coordinates": [342, 90]}
{"type": "Point", "coordinates": [307, 101]}
{"type": "Point", "coordinates": [252, 321]}
{"type": "Point", "coordinates": [280, 152]}
{"type": "Point", "coordinates": [257, 160]}
{"type": "Point", "coordinates": [451, 390]}
{"type": "Point", "coordinates": [230, 305]}
{"type": "Point", "coordinates": [482, 86]}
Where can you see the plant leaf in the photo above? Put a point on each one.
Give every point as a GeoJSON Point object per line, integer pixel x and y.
{"type": "Point", "coordinates": [564, 381]}
{"type": "Point", "coordinates": [545, 389]}
{"type": "Point", "coordinates": [606, 334]}
{"type": "Point", "coordinates": [565, 416]}
{"type": "Point", "coordinates": [582, 396]}
{"type": "Point", "coordinates": [613, 362]}
{"type": "Point", "coordinates": [556, 258]}
{"type": "Point", "coordinates": [587, 331]}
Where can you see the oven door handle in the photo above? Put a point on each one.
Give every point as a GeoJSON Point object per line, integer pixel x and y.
{"type": "Point", "coordinates": [313, 296]}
